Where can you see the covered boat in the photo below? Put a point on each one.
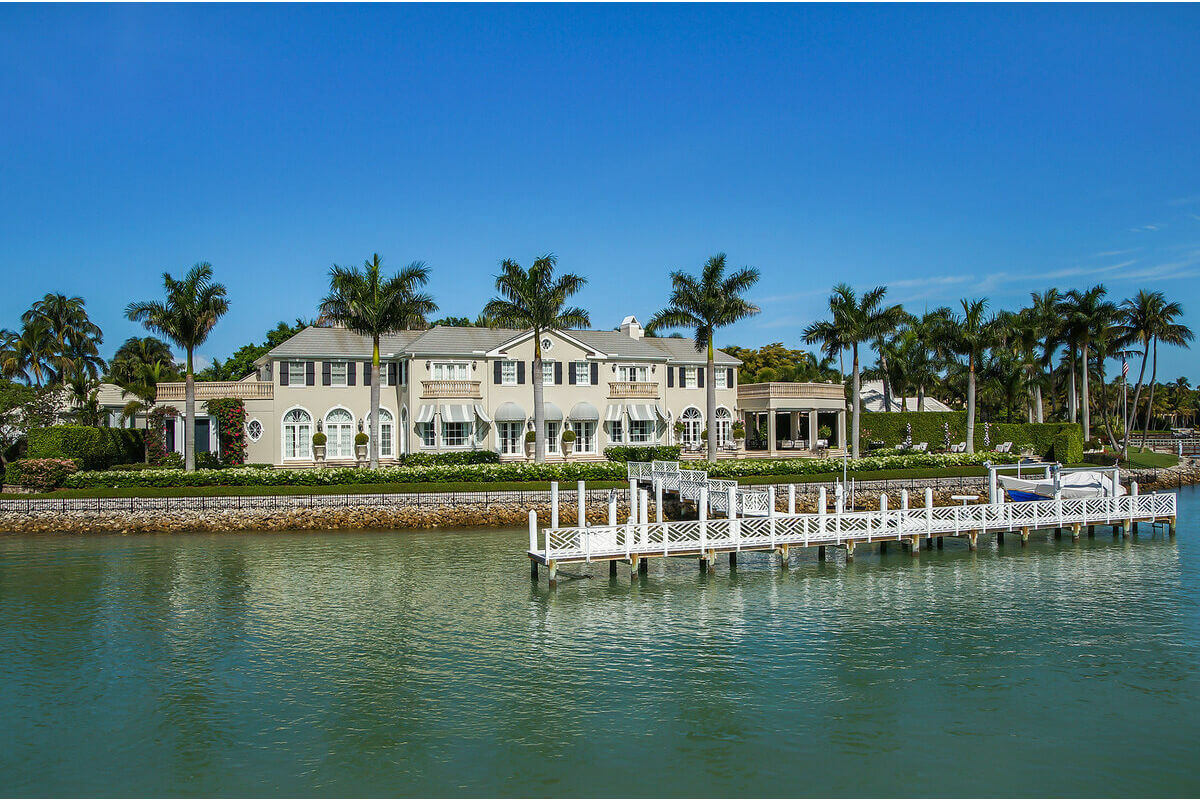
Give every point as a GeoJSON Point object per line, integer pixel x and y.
{"type": "Point", "coordinates": [1073, 485]}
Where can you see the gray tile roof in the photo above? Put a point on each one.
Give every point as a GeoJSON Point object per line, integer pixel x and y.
{"type": "Point", "coordinates": [446, 340]}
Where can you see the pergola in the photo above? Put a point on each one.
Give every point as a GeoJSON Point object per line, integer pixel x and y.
{"type": "Point", "coordinates": [793, 414]}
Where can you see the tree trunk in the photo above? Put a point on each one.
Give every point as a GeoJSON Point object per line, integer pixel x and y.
{"type": "Point", "coordinates": [376, 376]}
{"type": "Point", "coordinates": [1037, 402]}
{"type": "Point", "coordinates": [1087, 405]}
{"type": "Point", "coordinates": [189, 417]}
{"type": "Point", "coordinates": [887, 382]}
{"type": "Point", "coordinates": [539, 408]}
{"type": "Point", "coordinates": [1073, 398]}
{"type": "Point", "coordinates": [921, 397]}
{"type": "Point", "coordinates": [971, 404]}
{"type": "Point", "coordinates": [710, 402]}
{"type": "Point", "coordinates": [1153, 379]}
{"type": "Point", "coordinates": [855, 409]}
{"type": "Point", "coordinates": [1131, 423]}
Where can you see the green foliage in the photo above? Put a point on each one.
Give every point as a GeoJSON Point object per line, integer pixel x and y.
{"type": "Point", "coordinates": [319, 439]}
{"type": "Point", "coordinates": [633, 452]}
{"type": "Point", "coordinates": [738, 430]}
{"type": "Point", "coordinates": [360, 439]}
{"type": "Point", "coordinates": [231, 428]}
{"type": "Point", "coordinates": [774, 362]}
{"type": "Point", "coordinates": [94, 448]}
{"type": "Point", "coordinates": [927, 426]}
{"type": "Point", "coordinates": [42, 474]}
{"type": "Point", "coordinates": [461, 457]}
{"type": "Point", "coordinates": [1068, 446]}
{"type": "Point", "coordinates": [568, 436]}
{"type": "Point", "coordinates": [241, 363]}
{"type": "Point", "coordinates": [530, 437]}
{"type": "Point", "coordinates": [156, 434]}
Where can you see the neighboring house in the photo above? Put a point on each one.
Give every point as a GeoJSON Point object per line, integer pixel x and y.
{"type": "Point", "coordinates": [872, 400]}
{"type": "Point", "coordinates": [112, 400]}
{"type": "Point", "coordinates": [451, 389]}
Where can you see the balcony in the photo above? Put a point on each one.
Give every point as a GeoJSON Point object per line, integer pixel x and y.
{"type": "Point", "coordinates": [639, 390]}
{"type": "Point", "coordinates": [439, 389]}
{"type": "Point", "coordinates": [213, 390]}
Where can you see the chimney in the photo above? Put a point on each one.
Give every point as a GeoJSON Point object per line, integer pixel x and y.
{"type": "Point", "coordinates": [631, 327]}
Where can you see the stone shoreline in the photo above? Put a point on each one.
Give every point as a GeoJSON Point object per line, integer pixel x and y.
{"type": "Point", "coordinates": [430, 510]}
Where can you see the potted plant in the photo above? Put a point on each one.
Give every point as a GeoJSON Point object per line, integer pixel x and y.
{"type": "Point", "coordinates": [530, 443]}
{"type": "Point", "coordinates": [738, 431]}
{"type": "Point", "coordinates": [568, 442]}
{"type": "Point", "coordinates": [318, 445]}
{"type": "Point", "coordinates": [678, 431]}
{"type": "Point", "coordinates": [360, 446]}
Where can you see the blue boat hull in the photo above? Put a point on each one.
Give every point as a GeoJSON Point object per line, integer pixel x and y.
{"type": "Point", "coordinates": [1024, 497]}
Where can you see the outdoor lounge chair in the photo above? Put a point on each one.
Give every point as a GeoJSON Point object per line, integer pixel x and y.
{"type": "Point", "coordinates": [921, 448]}
{"type": "Point", "coordinates": [1005, 448]}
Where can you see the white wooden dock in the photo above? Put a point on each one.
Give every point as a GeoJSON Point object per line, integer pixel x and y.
{"type": "Point", "coordinates": [639, 539]}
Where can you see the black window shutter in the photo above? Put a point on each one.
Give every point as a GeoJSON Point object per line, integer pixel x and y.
{"type": "Point", "coordinates": [670, 377]}
{"type": "Point", "coordinates": [729, 377]}
{"type": "Point", "coordinates": [571, 375]}
{"type": "Point", "coordinates": [351, 377]}
{"type": "Point", "coordinates": [558, 373]}
{"type": "Point", "coordinates": [310, 373]}
{"type": "Point", "coordinates": [682, 377]}
{"type": "Point", "coordinates": [367, 373]}
{"type": "Point", "coordinates": [496, 379]}
{"type": "Point", "coordinates": [393, 373]}
{"type": "Point", "coordinates": [326, 372]}
{"type": "Point", "coordinates": [595, 374]}
{"type": "Point", "coordinates": [520, 372]}
{"type": "Point", "coordinates": [700, 377]}
{"type": "Point", "coordinates": [283, 373]}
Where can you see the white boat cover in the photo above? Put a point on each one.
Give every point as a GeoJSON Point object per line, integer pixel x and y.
{"type": "Point", "coordinates": [425, 414]}
{"type": "Point", "coordinates": [1074, 485]}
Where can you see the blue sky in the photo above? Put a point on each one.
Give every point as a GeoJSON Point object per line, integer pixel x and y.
{"type": "Point", "coordinates": [946, 151]}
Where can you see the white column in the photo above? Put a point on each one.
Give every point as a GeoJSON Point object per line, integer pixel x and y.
{"type": "Point", "coordinates": [658, 500]}
{"type": "Point", "coordinates": [812, 429]}
{"type": "Point", "coordinates": [581, 510]}
{"type": "Point", "coordinates": [771, 431]}
{"type": "Point", "coordinates": [553, 504]}
{"type": "Point", "coordinates": [632, 500]}
{"type": "Point", "coordinates": [791, 498]}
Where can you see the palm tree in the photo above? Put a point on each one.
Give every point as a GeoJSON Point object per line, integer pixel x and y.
{"type": "Point", "coordinates": [186, 316]}
{"type": "Point", "coordinates": [1148, 317]}
{"type": "Point", "coordinates": [138, 353]}
{"type": "Point", "coordinates": [368, 303]}
{"type": "Point", "coordinates": [1086, 312]}
{"type": "Point", "coordinates": [76, 337]}
{"type": "Point", "coordinates": [970, 335]}
{"type": "Point", "coordinates": [854, 322]}
{"type": "Point", "coordinates": [536, 299]}
{"type": "Point", "coordinates": [28, 355]}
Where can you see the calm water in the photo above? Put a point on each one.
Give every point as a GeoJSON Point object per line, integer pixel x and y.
{"type": "Point", "coordinates": [424, 663]}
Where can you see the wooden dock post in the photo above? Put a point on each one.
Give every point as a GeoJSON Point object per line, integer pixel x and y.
{"type": "Point", "coordinates": [553, 565]}
{"type": "Point", "coordinates": [581, 504]}
{"type": "Point", "coordinates": [883, 548]}
{"type": "Point", "coordinates": [972, 540]}
{"type": "Point", "coordinates": [1075, 532]}
{"type": "Point", "coordinates": [1171, 528]}
{"type": "Point", "coordinates": [791, 498]}
{"type": "Point", "coordinates": [644, 566]}
{"type": "Point", "coordinates": [850, 550]}
{"type": "Point", "coordinates": [783, 556]}
{"type": "Point", "coordinates": [1091, 531]}
{"type": "Point", "coordinates": [733, 559]}
{"type": "Point", "coordinates": [939, 540]}
{"type": "Point", "coordinates": [999, 538]}
{"type": "Point", "coordinates": [1024, 536]}
{"type": "Point", "coordinates": [612, 510]}
{"type": "Point", "coordinates": [915, 546]}
{"type": "Point", "coordinates": [612, 568]}
{"type": "Point", "coordinates": [658, 494]}
{"type": "Point", "coordinates": [1058, 533]}
{"type": "Point", "coordinates": [634, 567]}
{"type": "Point", "coordinates": [553, 504]}
{"type": "Point", "coordinates": [533, 545]}
{"type": "Point", "coordinates": [821, 552]}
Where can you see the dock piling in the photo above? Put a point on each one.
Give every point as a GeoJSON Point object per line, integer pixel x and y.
{"type": "Point", "coordinates": [553, 504]}
{"type": "Point", "coordinates": [581, 504]}
{"type": "Point", "coordinates": [791, 498]}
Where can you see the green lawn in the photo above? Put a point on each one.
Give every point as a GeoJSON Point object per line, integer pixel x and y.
{"type": "Point", "coordinates": [382, 488]}
{"type": "Point", "coordinates": [1144, 459]}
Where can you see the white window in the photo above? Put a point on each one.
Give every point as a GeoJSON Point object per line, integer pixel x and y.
{"type": "Point", "coordinates": [552, 429]}
{"type": "Point", "coordinates": [548, 373]}
{"type": "Point", "coordinates": [511, 434]}
{"type": "Point", "coordinates": [339, 434]}
{"type": "Point", "coordinates": [254, 430]}
{"type": "Point", "coordinates": [629, 372]}
{"type": "Point", "coordinates": [297, 434]}
{"type": "Point", "coordinates": [337, 373]}
{"type": "Point", "coordinates": [689, 378]}
{"type": "Point", "coordinates": [428, 434]}
{"type": "Point", "coordinates": [508, 373]}
{"type": "Point", "coordinates": [585, 436]}
{"type": "Point", "coordinates": [583, 373]}
{"type": "Point", "coordinates": [296, 373]}
{"type": "Point", "coordinates": [692, 424]}
{"type": "Point", "coordinates": [386, 429]}
{"type": "Point", "coordinates": [641, 431]}
{"type": "Point", "coordinates": [616, 431]}
{"type": "Point", "coordinates": [451, 370]}
{"type": "Point", "coordinates": [724, 422]}
{"type": "Point", "coordinates": [720, 381]}
{"type": "Point", "coordinates": [454, 434]}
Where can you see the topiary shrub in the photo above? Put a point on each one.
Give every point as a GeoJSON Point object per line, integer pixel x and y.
{"type": "Point", "coordinates": [93, 448]}
{"type": "Point", "coordinates": [568, 436]}
{"type": "Point", "coordinates": [1068, 447]}
{"type": "Point", "coordinates": [42, 474]}
{"type": "Point", "coordinates": [360, 439]}
{"type": "Point", "coordinates": [530, 437]}
{"type": "Point", "coordinates": [624, 452]}
{"type": "Point", "coordinates": [319, 439]}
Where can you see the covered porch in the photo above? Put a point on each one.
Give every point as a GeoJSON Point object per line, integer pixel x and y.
{"type": "Point", "coordinates": [800, 419]}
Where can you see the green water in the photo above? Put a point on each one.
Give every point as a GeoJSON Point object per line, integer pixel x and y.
{"type": "Point", "coordinates": [425, 663]}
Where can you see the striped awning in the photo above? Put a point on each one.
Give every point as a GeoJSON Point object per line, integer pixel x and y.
{"type": "Point", "coordinates": [641, 412]}
{"type": "Point", "coordinates": [481, 414]}
{"type": "Point", "coordinates": [552, 412]}
{"type": "Point", "coordinates": [613, 413]}
{"type": "Point", "coordinates": [584, 411]}
{"type": "Point", "coordinates": [663, 415]}
{"type": "Point", "coordinates": [457, 412]}
{"type": "Point", "coordinates": [510, 412]}
{"type": "Point", "coordinates": [425, 415]}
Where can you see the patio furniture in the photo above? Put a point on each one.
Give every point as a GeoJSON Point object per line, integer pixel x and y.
{"type": "Point", "coordinates": [1005, 448]}
{"type": "Point", "coordinates": [921, 448]}
{"type": "Point", "coordinates": [966, 498]}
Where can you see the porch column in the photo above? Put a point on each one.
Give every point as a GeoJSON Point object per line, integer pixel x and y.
{"type": "Point", "coordinates": [812, 429]}
{"type": "Point", "coordinates": [771, 431]}
{"type": "Point", "coordinates": [841, 429]}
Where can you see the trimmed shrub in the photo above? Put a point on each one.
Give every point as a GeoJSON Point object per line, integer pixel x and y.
{"type": "Point", "coordinates": [633, 452]}
{"type": "Point", "coordinates": [927, 426]}
{"type": "Point", "coordinates": [94, 448]}
{"type": "Point", "coordinates": [1068, 448]}
{"type": "Point", "coordinates": [360, 439]}
{"type": "Point", "coordinates": [319, 439]}
{"type": "Point", "coordinates": [42, 474]}
{"type": "Point", "coordinates": [464, 457]}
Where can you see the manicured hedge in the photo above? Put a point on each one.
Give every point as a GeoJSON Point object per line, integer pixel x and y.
{"type": "Point", "coordinates": [94, 448]}
{"type": "Point", "coordinates": [484, 474]}
{"type": "Point", "coordinates": [635, 452]}
{"type": "Point", "coordinates": [42, 474]}
{"type": "Point", "coordinates": [929, 426]}
{"type": "Point", "coordinates": [466, 457]}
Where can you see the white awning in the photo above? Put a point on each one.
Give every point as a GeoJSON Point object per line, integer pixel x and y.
{"type": "Point", "coordinates": [553, 413]}
{"type": "Point", "coordinates": [664, 416]}
{"type": "Point", "coordinates": [584, 411]}
{"type": "Point", "coordinates": [457, 412]}
{"type": "Point", "coordinates": [425, 415]}
{"type": "Point", "coordinates": [640, 412]}
{"type": "Point", "coordinates": [481, 414]}
{"type": "Point", "coordinates": [613, 414]}
{"type": "Point", "coordinates": [510, 412]}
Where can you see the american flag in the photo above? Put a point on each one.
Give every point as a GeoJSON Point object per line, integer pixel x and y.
{"type": "Point", "coordinates": [1124, 368]}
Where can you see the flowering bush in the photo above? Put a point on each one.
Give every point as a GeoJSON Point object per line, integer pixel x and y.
{"type": "Point", "coordinates": [42, 474]}
{"type": "Point", "coordinates": [230, 414]}
{"type": "Point", "coordinates": [492, 473]}
{"type": "Point", "coordinates": [156, 435]}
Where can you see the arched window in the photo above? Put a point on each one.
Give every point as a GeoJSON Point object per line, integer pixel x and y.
{"type": "Point", "coordinates": [692, 425]}
{"type": "Point", "coordinates": [386, 432]}
{"type": "Point", "coordinates": [297, 434]}
{"type": "Point", "coordinates": [724, 422]}
{"type": "Point", "coordinates": [339, 433]}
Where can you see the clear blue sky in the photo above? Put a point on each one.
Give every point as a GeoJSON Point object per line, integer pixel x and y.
{"type": "Point", "coordinates": [944, 151]}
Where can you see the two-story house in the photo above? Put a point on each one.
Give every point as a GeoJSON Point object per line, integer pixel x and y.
{"type": "Point", "coordinates": [448, 388]}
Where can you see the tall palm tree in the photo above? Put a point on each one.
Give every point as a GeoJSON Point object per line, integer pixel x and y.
{"type": "Point", "coordinates": [1044, 312]}
{"type": "Point", "coordinates": [1087, 312]}
{"type": "Point", "coordinates": [971, 334]}
{"type": "Point", "coordinates": [368, 303]}
{"type": "Point", "coordinates": [29, 354]}
{"type": "Point", "coordinates": [853, 322]}
{"type": "Point", "coordinates": [1147, 318]}
{"type": "Point", "coordinates": [186, 316]}
{"type": "Point", "coordinates": [136, 353]}
{"type": "Point", "coordinates": [705, 303]}
{"type": "Point", "coordinates": [76, 337]}
{"type": "Point", "coordinates": [536, 299]}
